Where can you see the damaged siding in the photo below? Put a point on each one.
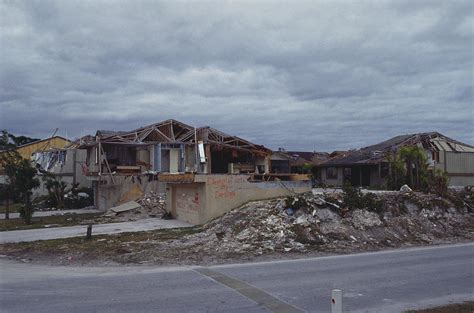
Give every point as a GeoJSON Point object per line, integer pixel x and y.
{"type": "Point", "coordinates": [460, 162]}
{"type": "Point", "coordinates": [460, 168]}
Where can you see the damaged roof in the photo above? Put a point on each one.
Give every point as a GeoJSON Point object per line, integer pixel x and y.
{"type": "Point", "coordinates": [170, 131]}
{"type": "Point", "coordinates": [300, 158]}
{"type": "Point", "coordinates": [432, 141]}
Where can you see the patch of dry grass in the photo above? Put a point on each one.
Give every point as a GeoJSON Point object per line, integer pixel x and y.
{"type": "Point", "coordinates": [466, 307]}
{"type": "Point", "coordinates": [14, 207]}
{"type": "Point", "coordinates": [100, 244]}
{"type": "Point", "coordinates": [41, 222]}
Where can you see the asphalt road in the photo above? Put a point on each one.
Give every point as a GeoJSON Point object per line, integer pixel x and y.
{"type": "Point", "coordinates": [389, 281]}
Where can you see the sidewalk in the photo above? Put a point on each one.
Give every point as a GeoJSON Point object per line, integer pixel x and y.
{"type": "Point", "coordinates": [15, 215]}
{"type": "Point", "coordinates": [99, 229]}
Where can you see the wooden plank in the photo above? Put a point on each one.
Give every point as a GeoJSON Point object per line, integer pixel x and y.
{"type": "Point", "coordinates": [128, 167]}
{"type": "Point", "coordinates": [176, 178]}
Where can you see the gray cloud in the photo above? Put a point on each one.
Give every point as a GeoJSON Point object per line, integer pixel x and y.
{"type": "Point", "coordinates": [319, 75]}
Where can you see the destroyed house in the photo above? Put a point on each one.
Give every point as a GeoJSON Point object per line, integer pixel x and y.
{"type": "Point", "coordinates": [172, 147]}
{"type": "Point", "coordinates": [204, 172]}
{"type": "Point", "coordinates": [66, 164]}
{"type": "Point", "coordinates": [26, 151]}
{"type": "Point", "coordinates": [369, 166]}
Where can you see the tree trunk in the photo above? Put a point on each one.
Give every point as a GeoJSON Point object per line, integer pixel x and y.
{"type": "Point", "coordinates": [410, 169]}
{"type": "Point", "coordinates": [28, 210]}
{"type": "Point", "coordinates": [417, 177]}
{"type": "Point", "coordinates": [7, 209]}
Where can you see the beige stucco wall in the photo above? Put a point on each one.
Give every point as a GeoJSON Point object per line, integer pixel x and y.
{"type": "Point", "coordinates": [186, 202]}
{"type": "Point", "coordinates": [211, 196]}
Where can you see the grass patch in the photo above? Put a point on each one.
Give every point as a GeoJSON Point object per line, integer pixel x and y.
{"type": "Point", "coordinates": [99, 246]}
{"type": "Point", "coordinates": [466, 307]}
{"type": "Point", "coordinates": [41, 222]}
{"type": "Point", "coordinates": [14, 207]}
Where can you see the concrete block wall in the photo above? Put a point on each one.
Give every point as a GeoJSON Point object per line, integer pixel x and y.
{"type": "Point", "coordinates": [210, 196]}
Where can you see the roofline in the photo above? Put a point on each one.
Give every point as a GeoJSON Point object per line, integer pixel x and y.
{"type": "Point", "coordinates": [348, 164]}
{"type": "Point", "coordinates": [170, 120]}
{"type": "Point", "coordinates": [431, 134]}
{"type": "Point", "coordinates": [454, 140]}
{"type": "Point", "coordinates": [37, 141]}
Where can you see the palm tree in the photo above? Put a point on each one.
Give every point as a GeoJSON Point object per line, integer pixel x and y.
{"type": "Point", "coordinates": [397, 171]}
{"type": "Point", "coordinates": [415, 159]}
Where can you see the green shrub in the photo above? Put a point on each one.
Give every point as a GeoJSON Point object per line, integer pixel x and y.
{"type": "Point", "coordinates": [78, 198]}
{"type": "Point", "coordinates": [57, 189]}
{"type": "Point", "coordinates": [353, 198]}
{"type": "Point", "coordinates": [437, 183]}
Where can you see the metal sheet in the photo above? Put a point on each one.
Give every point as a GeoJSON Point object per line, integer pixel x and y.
{"type": "Point", "coordinates": [438, 145]}
{"type": "Point", "coordinates": [202, 155]}
{"type": "Point", "coordinates": [445, 146]}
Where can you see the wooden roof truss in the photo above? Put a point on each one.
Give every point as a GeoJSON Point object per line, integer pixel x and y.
{"type": "Point", "coordinates": [172, 131]}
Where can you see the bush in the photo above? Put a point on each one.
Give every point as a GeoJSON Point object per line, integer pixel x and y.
{"type": "Point", "coordinates": [353, 198]}
{"type": "Point", "coordinates": [78, 198]}
{"type": "Point", "coordinates": [56, 190]}
{"type": "Point", "coordinates": [437, 183]}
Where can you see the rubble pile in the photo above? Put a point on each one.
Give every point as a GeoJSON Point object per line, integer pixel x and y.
{"type": "Point", "coordinates": [153, 204]}
{"type": "Point", "coordinates": [305, 224]}
{"type": "Point", "coordinates": [309, 222]}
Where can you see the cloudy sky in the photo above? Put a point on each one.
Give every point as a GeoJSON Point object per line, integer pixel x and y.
{"type": "Point", "coordinates": [316, 75]}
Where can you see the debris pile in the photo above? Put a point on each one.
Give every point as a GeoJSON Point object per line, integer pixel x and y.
{"type": "Point", "coordinates": [153, 204]}
{"type": "Point", "coordinates": [309, 222]}
{"type": "Point", "coordinates": [305, 224]}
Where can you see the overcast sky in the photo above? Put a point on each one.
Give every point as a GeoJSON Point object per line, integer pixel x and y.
{"type": "Point", "coordinates": [317, 75]}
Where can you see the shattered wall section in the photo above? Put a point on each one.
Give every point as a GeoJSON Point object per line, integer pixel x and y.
{"type": "Point", "coordinates": [69, 165]}
{"type": "Point", "coordinates": [126, 188]}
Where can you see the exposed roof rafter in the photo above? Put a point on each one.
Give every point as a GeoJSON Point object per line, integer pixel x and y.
{"type": "Point", "coordinates": [171, 131]}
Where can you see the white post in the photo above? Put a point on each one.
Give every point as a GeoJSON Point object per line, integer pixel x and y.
{"type": "Point", "coordinates": [336, 301]}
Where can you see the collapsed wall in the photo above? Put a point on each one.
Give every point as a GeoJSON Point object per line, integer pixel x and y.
{"type": "Point", "coordinates": [109, 193]}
